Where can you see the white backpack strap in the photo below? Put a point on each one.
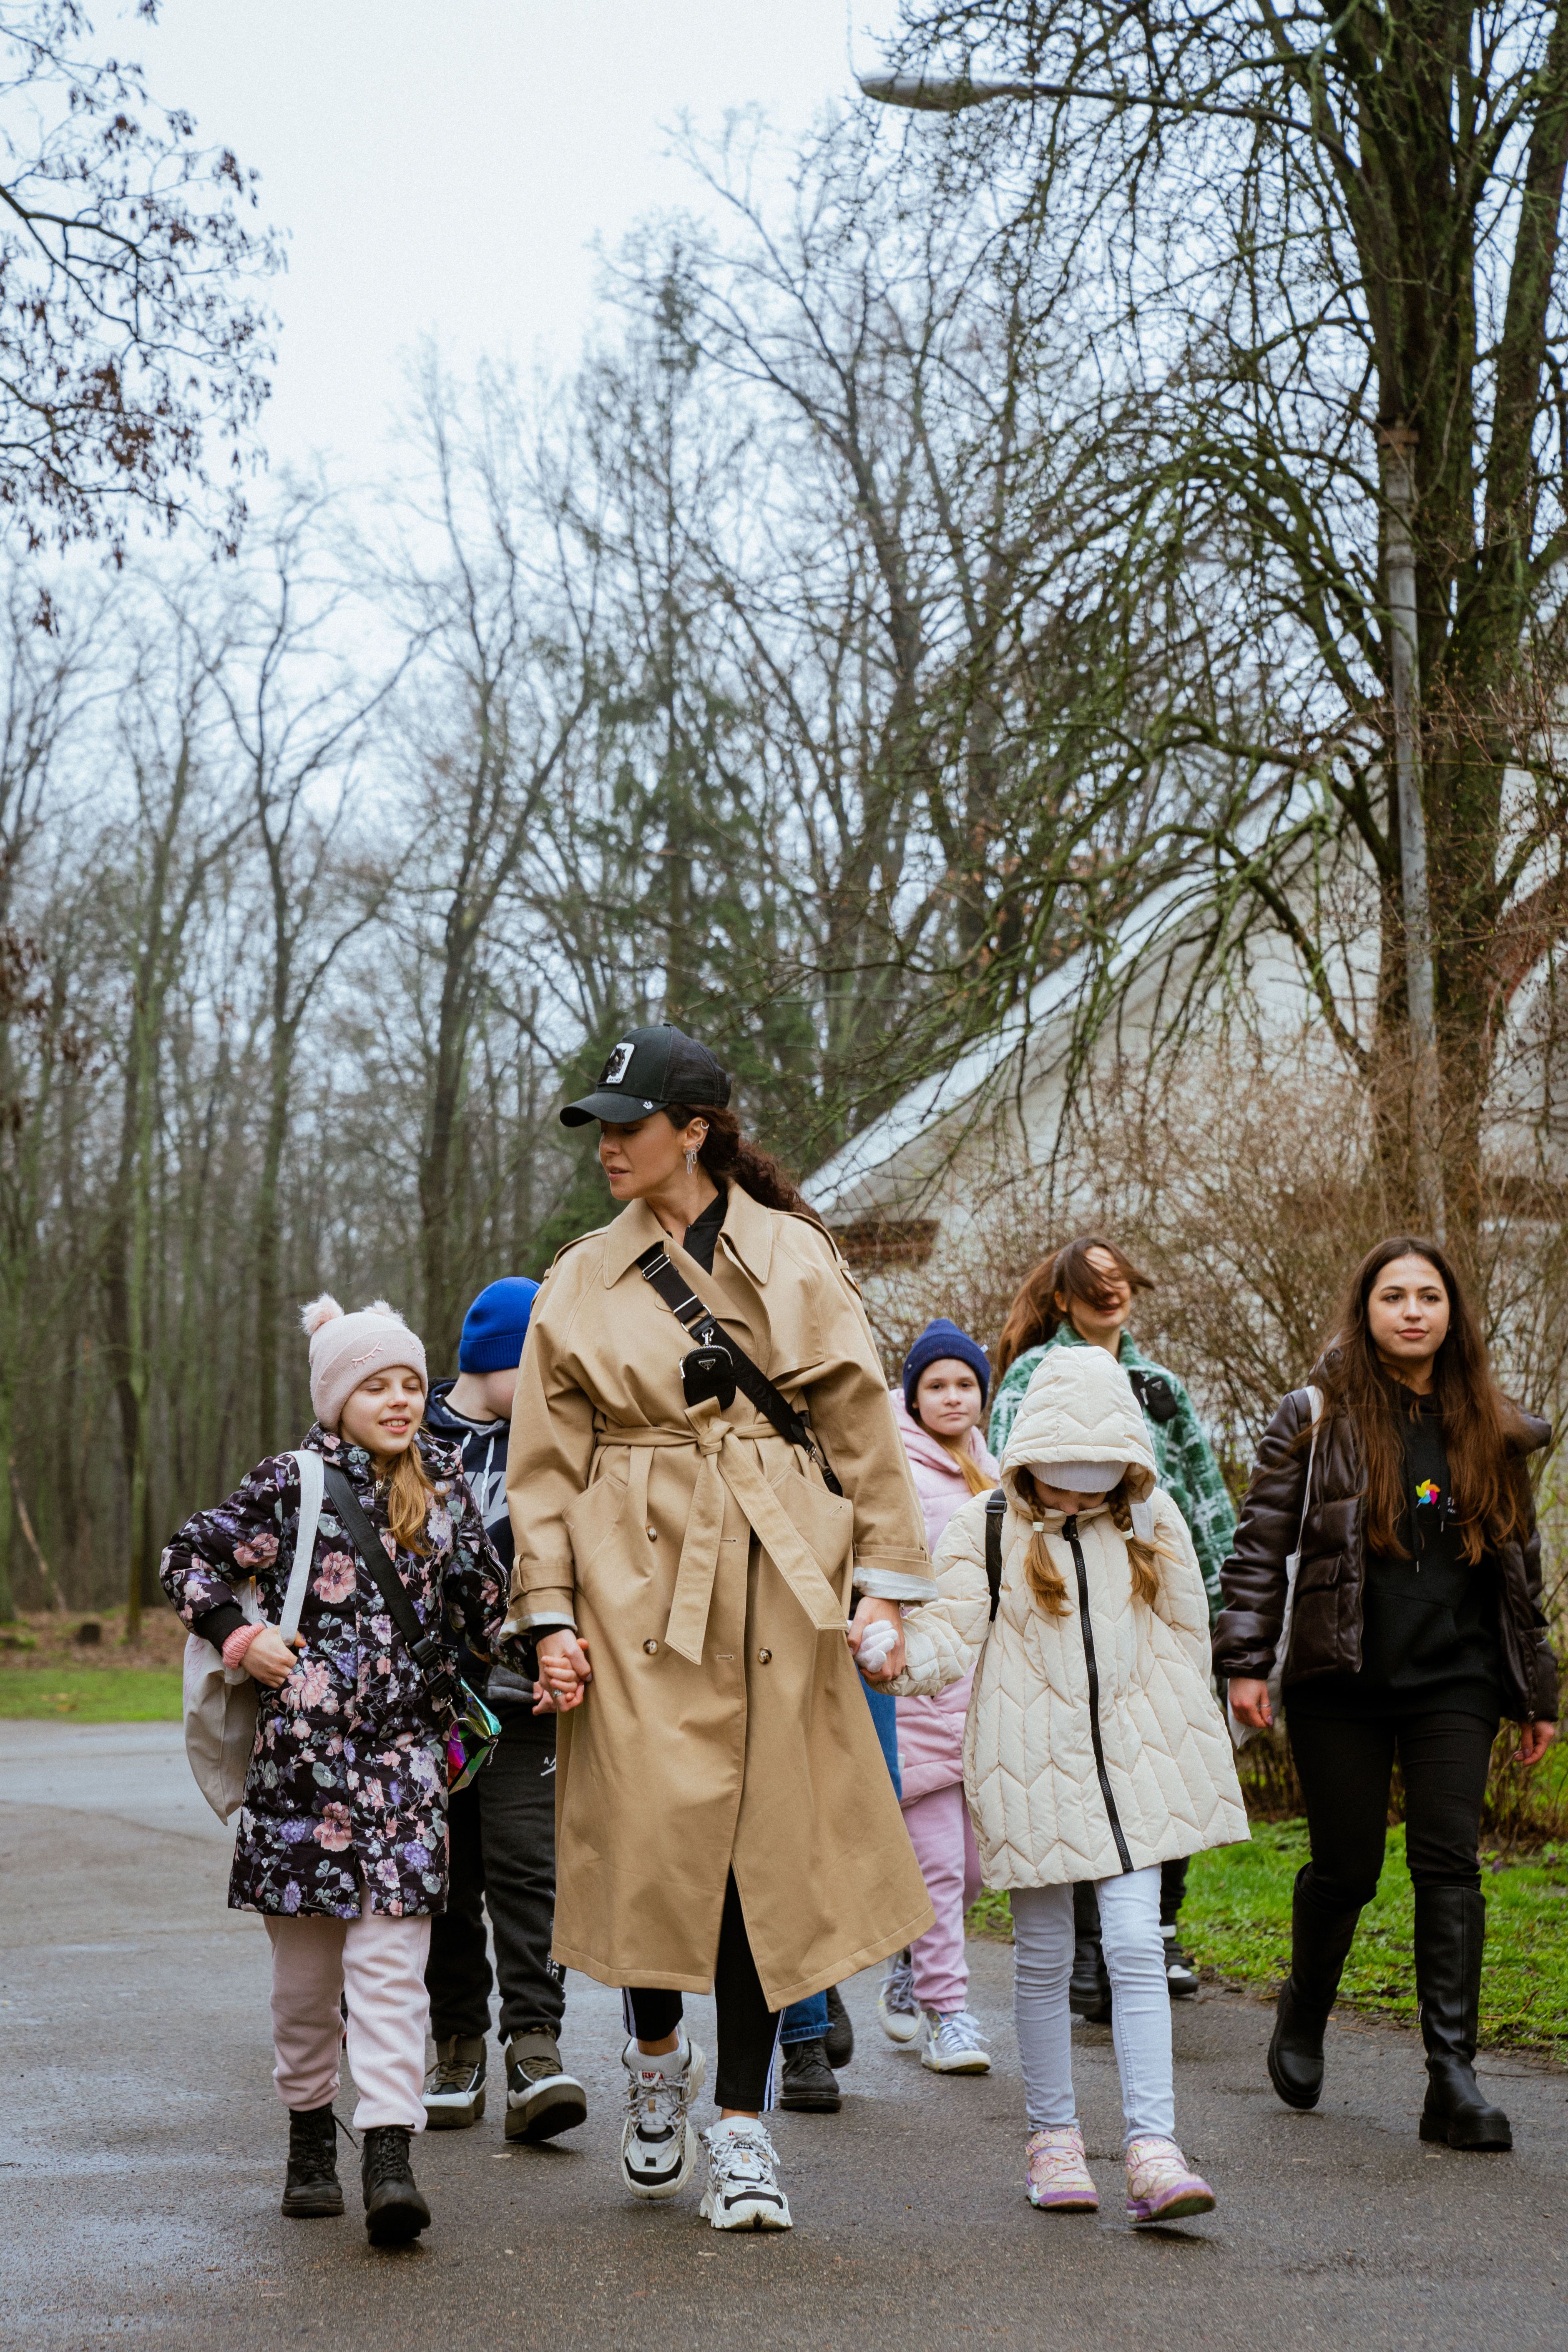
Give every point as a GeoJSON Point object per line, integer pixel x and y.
{"type": "Point", "coordinates": [311, 1486]}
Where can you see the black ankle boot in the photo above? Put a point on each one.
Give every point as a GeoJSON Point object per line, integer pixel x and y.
{"type": "Point", "coordinates": [395, 2212]}
{"type": "Point", "coordinates": [312, 2191]}
{"type": "Point", "coordinates": [839, 2041]}
{"type": "Point", "coordinates": [809, 2082]}
{"type": "Point", "coordinates": [1450, 1936]}
{"type": "Point", "coordinates": [1321, 1936]}
{"type": "Point", "coordinates": [1089, 1987]}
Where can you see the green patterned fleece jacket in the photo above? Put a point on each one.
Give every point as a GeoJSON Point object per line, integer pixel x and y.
{"type": "Point", "coordinates": [1183, 1455]}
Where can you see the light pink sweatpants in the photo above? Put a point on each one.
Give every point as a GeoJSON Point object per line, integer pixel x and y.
{"type": "Point", "coordinates": [944, 1840]}
{"type": "Point", "coordinates": [379, 1963]}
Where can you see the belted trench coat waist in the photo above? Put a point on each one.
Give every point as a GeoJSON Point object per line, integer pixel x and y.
{"type": "Point", "coordinates": [726, 1462]}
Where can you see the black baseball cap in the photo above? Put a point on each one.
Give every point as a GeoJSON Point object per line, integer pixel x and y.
{"type": "Point", "coordinates": [649, 1068]}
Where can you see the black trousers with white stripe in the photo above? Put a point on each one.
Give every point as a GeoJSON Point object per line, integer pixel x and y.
{"type": "Point", "coordinates": [748, 2028]}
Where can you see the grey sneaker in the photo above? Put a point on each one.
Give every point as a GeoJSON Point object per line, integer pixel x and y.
{"type": "Point", "coordinates": [897, 2007]}
{"type": "Point", "coordinates": [542, 2098]}
{"type": "Point", "coordinates": [658, 2146]}
{"type": "Point", "coordinates": [455, 2086]}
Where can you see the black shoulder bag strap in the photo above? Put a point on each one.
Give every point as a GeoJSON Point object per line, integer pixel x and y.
{"type": "Point", "coordinates": [703, 1325]}
{"type": "Point", "coordinates": [995, 1513]}
{"type": "Point", "coordinates": [428, 1657]}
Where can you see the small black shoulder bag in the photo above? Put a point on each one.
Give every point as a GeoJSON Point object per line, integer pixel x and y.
{"type": "Point", "coordinates": [719, 1365]}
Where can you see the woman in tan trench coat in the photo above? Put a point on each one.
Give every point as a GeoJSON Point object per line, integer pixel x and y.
{"type": "Point", "coordinates": [723, 1814]}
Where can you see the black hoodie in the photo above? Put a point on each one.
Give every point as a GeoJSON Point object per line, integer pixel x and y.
{"type": "Point", "coordinates": [484, 1466]}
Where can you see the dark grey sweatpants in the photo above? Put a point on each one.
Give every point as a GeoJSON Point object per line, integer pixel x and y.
{"type": "Point", "coordinates": [502, 1830]}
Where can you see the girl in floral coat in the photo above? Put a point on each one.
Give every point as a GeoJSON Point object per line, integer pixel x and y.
{"type": "Point", "coordinates": [342, 1828]}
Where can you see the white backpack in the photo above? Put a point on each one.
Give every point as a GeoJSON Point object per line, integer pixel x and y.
{"type": "Point", "coordinates": [1241, 1733]}
{"type": "Point", "coordinates": [220, 1701]}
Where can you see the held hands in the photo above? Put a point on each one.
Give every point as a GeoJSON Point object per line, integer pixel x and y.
{"type": "Point", "coordinates": [1250, 1704]}
{"type": "Point", "coordinates": [270, 1658]}
{"type": "Point", "coordinates": [879, 1612]}
{"type": "Point", "coordinates": [1534, 1739]}
{"type": "Point", "coordinates": [565, 1672]}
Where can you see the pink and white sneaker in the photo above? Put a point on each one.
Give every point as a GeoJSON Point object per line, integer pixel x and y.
{"type": "Point", "coordinates": [1059, 2177]}
{"type": "Point", "coordinates": [1160, 2188]}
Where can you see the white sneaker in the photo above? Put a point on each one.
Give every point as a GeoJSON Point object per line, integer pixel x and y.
{"type": "Point", "coordinates": [954, 2044]}
{"type": "Point", "coordinates": [897, 2007]}
{"type": "Point", "coordinates": [658, 2146]}
{"type": "Point", "coordinates": [1179, 1973]}
{"type": "Point", "coordinates": [742, 2191]}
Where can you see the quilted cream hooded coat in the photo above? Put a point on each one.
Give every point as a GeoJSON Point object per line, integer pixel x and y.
{"type": "Point", "coordinates": [1093, 1744]}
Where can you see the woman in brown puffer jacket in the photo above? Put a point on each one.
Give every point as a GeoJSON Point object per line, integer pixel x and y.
{"type": "Point", "coordinates": [1414, 1623]}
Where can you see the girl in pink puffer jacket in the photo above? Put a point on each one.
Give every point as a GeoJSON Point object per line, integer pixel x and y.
{"type": "Point", "coordinates": [945, 1381]}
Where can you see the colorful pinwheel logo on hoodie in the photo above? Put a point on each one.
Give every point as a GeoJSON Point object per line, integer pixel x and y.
{"type": "Point", "coordinates": [1428, 1491]}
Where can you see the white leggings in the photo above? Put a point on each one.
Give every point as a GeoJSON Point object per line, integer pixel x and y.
{"type": "Point", "coordinates": [1141, 2003]}
{"type": "Point", "coordinates": [379, 1963]}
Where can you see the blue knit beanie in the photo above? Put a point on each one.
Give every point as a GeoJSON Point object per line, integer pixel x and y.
{"type": "Point", "coordinates": [937, 1341]}
{"type": "Point", "coordinates": [496, 1326]}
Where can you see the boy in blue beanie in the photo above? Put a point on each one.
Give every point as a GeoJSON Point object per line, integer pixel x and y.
{"type": "Point", "coordinates": [502, 1825]}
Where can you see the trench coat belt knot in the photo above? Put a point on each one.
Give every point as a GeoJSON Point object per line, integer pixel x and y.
{"type": "Point", "coordinates": [727, 1461]}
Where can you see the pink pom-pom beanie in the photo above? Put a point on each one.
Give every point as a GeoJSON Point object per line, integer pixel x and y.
{"type": "Point", "coordinates": [346, 1349]}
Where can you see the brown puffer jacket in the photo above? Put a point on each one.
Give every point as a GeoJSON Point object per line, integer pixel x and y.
{"type": "Point", "coordinates": [1326, 1620]}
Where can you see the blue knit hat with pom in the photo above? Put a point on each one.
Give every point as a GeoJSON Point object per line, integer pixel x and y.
{"type": "Point", "coordinates": [937, 1341]}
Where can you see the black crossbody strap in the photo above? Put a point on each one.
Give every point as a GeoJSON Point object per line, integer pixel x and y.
{"type": "Point", "coordinates": [428, 1652]}
{"type": "Point", "coordinates": [995, 1512]}
{"type": "Point", "coordinates": [688, 1310]}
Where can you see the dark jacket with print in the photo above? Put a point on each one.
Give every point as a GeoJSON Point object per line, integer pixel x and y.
{"type": "Point", "coordinates": [347, 1786]}
{"type": "Point", "coordinates": [1326, 1615]}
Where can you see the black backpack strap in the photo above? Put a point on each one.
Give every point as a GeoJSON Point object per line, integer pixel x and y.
{"type": "Point", "coordinates": [995, 1513]}
{"type": "Point", "coordinates": [688, 1310]}
{"type": "Point", "coordinates": [429, 1656]}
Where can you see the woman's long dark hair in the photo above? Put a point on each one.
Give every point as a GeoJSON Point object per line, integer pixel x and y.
{"type": "Point", "coordinates": [1033, 1314]}
{"type": "Point", "coordinates": [1477, 1419]}
{"type": "Point", "coordinates": [731, 1159]}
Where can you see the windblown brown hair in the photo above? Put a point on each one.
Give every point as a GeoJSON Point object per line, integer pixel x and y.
{"type": "Point", "coordinates": [731, 1159]}
{"type": "Point", "coordinates": [1478, 1421]}
{"type": "Point", "coordinates": [1046, 1581]}
{"type": "Point", "coordinates": [1034, 1317]}
{"type": "Point", "coordinates": [410, 1491]}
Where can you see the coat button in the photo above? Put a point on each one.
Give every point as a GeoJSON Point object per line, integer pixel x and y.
{"type": "Point", "coordinates": [763, 1658]}
{"type": "Point", "coordinates": [652, 1648]}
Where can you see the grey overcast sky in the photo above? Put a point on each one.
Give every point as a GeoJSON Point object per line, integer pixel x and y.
{"type": "Point", "coordinates": [445, 168]}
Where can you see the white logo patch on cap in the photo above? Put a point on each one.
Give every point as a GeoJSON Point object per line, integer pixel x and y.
{"type": "Point", "coordinates": [617, 1067]}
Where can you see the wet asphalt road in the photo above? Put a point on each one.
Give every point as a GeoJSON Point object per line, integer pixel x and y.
{"type": "Point", "coordinates": [142, 2151]}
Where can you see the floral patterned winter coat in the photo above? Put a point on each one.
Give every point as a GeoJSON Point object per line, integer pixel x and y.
{"type": "Point", "coordinates": [347, 1787]}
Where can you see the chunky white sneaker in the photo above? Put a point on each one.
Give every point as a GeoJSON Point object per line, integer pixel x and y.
{"type": "Point", "coordinates": [742, 2191]}
{"type": "Point", "coordinates": [455, 2085]}
{"type": "Point", "coordinates": [897, 2007]}
{"type": "Point", "coordinates": [658, 2146]}
{"type": "Point", "coordinates": [955, 2044]}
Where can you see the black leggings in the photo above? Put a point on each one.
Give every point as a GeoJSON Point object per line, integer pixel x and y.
{"type": "Point", "coordinates": [1344, 1769]}
{"type": "Point", "coordinates": [748, 2028]}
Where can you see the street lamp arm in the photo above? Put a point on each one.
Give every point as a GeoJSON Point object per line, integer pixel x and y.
{"type": "Point", "coordinates": [947, 93]}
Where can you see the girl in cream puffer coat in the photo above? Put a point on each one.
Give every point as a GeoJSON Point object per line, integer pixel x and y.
{"type": "Point", "coordinates": [1093, 1750]}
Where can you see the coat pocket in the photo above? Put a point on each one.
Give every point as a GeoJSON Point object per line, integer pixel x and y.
{"type": "Point", "coordinates": [825, 1523]}
{"type": "Point", "coordinates": [592, 1517]}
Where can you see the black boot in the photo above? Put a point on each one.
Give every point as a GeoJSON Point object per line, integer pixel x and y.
{"type": "Point", "coordinates": [1450, 1934]}
{"type": "Point", "coordinates": [839, 2041]}
{"type": "Point", "coordinates": [395, 2212]}
{"type": "Point", "coordinates": [1089, 1987]}
{"type": "Point", "coordinates": [1321, 1936]}
{"type": "Point", "coordinates": [809, 2082]}
{"type": "Point", "coordinates": [312, 2191]}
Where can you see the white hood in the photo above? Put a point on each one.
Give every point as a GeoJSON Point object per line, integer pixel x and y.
{"type": "Point", "coordinates": [1080, 1408]}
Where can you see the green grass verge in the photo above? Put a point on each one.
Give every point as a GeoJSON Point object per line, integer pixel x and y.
{"type": "Point", "coordinates": [91, 1693]}
{"type": "Point", "coordinates": [1237, 1921]}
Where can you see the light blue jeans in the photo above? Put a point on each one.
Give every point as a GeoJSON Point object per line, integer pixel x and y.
{"type": "Point", "coordinates": [1140, 2000]}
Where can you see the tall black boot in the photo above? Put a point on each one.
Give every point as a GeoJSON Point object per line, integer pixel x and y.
{"type": "Point", "coordinates": [1451, 1935]}
{"type": "Point", "coordinates": [395, 2212]}
{"type": "Point", "coordinates": [1321, 1936]}
{"type": "Point", "coordinates": [1089, 1987]}
{"type": "Point", "coordinates": [312, 2191]}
